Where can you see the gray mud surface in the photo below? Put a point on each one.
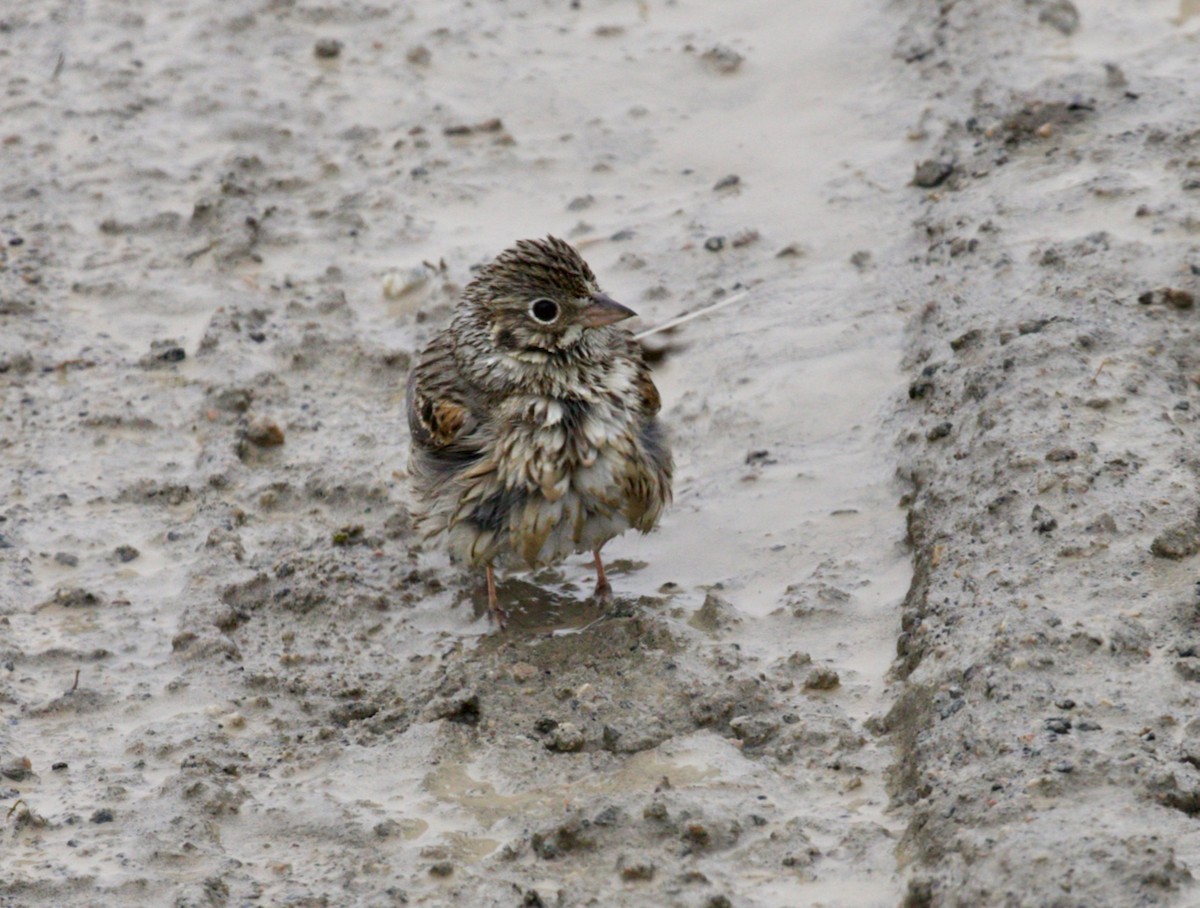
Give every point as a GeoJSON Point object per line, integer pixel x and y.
{"type": "Point", "coordinates": [921, 628]}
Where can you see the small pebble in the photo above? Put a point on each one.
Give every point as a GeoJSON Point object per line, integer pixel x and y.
{"type": "Point", "coordinates": [714, 243]}
{"type": "Point", "coordinates": [66, 559]}
{"type": "Point", "coordinates": [567, 738]}
{"type": "Point", "coordinates": [730, 182]}
{"type": "Point", "coordinates": [941, 430]}
{"type": "Point", "coordinates": [18, 769]}
{"type": "Point", "coordinates": [930, 174]}
{"type": "Point", "coordinates": [722, 59]}
{"type": "Point", "coordinates": [103, 815]}
{"type": "Point", "coordinates": [327, 48]}
{"type": "Point", "coordinates": [264, 433]}
{"type": "Point", "coordinates": [822, 679]}
{"type": "Point", "coordinates": [523, 671]}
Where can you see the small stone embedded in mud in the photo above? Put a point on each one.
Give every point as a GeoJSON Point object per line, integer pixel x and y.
{"type": "Point", "coordinates": [18, 769]}
{"type": "Point", "coordinates": [442, 869]}
{"type": "Point", "coordinates": [125, 553]}
{"type": "Point", "coordinates": [66, 559]}
{"type": "Point", "coordinates": [759, 458]}
{"type": "Point", "coordinates": [462, 707]}
{"type": "Point", "coordinates": [967, 339]}
{"type": "Point", "coordinates": [1060, 15]}
{"type": "Point", "coordinates": [715, 613]}
{"type": "Point", "coordinates": [233, 400]}
{"type": "Point", "coordinates": [714, 243]}
{"type": "Point", "coordinates": [1057, 724]}
{"type": "Point", "coordinates": [754, 730]}
{"type": "Point", "coordinates": [790, 251]}
{"type": "Point", "coordinates": [327, 48]}
{"type": "Point", "coordinates": [349, 535]}
{"type": "Point", "coordinates": [1179, 541]}
{"type": "Point", "coordinates": [103, 815]}
{"type": "Point", "coordinates": [264, 433]}
{"type": "Point", "coordinates": [522, 672]}
{"type": "Point", "coordinates": [931, 174]}
{"type": "Point", "coordinates": [722, 59]}
{"type": "Point", "coordinates": [567, 738]}
{"type": "Point", "coordinates": [163, 353]}
{"type": "Point", "coordinates": [1043, 520]}
{"type": "Point", "coordinates": [638, 871]}
{"type": "Point", "coordinates": [728, 182]}
{"type": "Point", "coordinates": [822, 678]}
{"type": "Point", "coordinates": [940, 431]}
{"type": "Point", "coordinates": [1168, 296]}
{"type": "Point", "coordinates": [1061, 455]}
{"type": "Point", "coordinates": [75, 597]}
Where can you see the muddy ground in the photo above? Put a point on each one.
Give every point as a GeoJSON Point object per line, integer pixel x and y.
{"type": "Point", "coordinates": [921, 628]}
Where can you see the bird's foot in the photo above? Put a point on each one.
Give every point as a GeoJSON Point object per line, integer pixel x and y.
{"type": "Point", "coordinates": [603, 593]}
{"type": "Point", "coordinates": [500, 616]}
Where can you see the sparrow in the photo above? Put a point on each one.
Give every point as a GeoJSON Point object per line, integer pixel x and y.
{"type": "Point", "coordinates": [534, 420]}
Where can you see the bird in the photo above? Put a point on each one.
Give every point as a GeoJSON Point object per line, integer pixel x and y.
{"type": "Point", "coordinates": [534, 420]}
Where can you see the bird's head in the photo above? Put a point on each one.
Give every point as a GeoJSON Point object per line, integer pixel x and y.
{"type": "Point", "coordinates": [539, 298]}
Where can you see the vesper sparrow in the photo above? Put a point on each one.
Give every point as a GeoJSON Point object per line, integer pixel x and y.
{"type": "Point", "coordinates": [533, 419]}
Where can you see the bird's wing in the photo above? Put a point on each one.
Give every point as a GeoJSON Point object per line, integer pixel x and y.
{"type": "Point", "coordinates": [442, 408]}
{"type": "Point", "coordinates": [649, 401]}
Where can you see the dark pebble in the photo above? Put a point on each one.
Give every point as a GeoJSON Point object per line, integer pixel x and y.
{"type": "Point", "coordinates": [126, 553]}
{"type": "Point", "coordinates": [442, 869]}
{"type": "Point", "coordinates": [103, 815]}
{"type": "Point", "coordinates": [931, 173]}
{"type": "Point", "coordinates": [1043, 520]}
{"type": "Point", "coordinates": [545, 725]}
{"type": "Point", "coordinates": [714, 243]}
{"type": "Point", "coordinates": [1061, 455]}
{"type": "Point", "coordinates": [264, 433]}
{"type": "Point", "coordinates": [60, 766]}
{"type": "Point", "coordinates": [66, 559]}
{"type": "Point", "coordinates": [327, 48]}
{"type": "Point", "coordinates": [728, 182]}
{"type": "Point", "coordinates": [941, 430]}
{"type": "Point", "coordinates": [1057, 724]}
{"type": "Point", "coordinates": [173, 355]}
{"type": "Point", "coordinates": [16, 241]}
{"type": "Point", "coordinates": [1067, 703]}
{"type": "Point", "coordinates": [1087, 725]}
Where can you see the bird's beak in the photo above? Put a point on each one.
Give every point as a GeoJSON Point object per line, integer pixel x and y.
{"type": "Point", "coordinates": [604, 310]}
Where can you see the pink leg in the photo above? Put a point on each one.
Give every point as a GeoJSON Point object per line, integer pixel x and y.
{"type": "Point", "coordinates": [603, 590]}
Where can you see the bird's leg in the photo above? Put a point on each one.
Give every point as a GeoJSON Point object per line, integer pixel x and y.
{"type": "Point", "coordinates": [603, 590]}
{"type": "Point", "coordinates": [496, 613]}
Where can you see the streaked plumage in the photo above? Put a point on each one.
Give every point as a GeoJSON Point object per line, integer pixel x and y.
{"type": "Point", "coordinates": [535, 437]}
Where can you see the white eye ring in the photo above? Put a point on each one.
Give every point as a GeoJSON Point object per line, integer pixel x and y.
{"type": "Point", "coordinates": [544, 311]}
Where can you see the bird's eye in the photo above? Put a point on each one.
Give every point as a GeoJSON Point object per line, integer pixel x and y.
{"type": "Point", "coordinates": [545, 311]}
